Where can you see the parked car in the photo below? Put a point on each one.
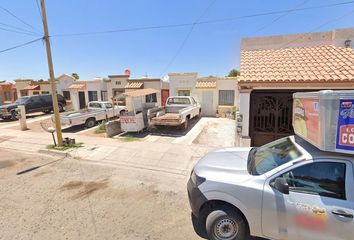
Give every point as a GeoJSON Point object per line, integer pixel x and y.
{"type": "Point", "coordinates": [34, 103]}
{"type": "Point", "coordinates": [287, 189]}
{"type": "Point", "coordinates": [95, 112]}
{"type": "Point", "coordinates": [177, 112]}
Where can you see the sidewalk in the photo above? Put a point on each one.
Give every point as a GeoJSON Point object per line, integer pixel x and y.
{"type": "Point", "coordinates": [153, 153]}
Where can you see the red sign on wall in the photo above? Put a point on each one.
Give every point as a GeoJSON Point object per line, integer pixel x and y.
{"type": "Point", "coordinates": [346, 135]}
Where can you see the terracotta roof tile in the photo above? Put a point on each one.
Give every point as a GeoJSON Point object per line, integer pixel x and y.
{"type": "Point", "coordinates": [321, 63]}
{"type": "Point", "coordinates": [205, 84]}
{"type": "Point", "coordinates": [77, 86]}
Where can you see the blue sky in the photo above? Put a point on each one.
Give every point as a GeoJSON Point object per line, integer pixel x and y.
{"type": "Point", "coordinates": [211, 49]}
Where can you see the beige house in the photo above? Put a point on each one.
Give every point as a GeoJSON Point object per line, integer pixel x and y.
{"type": "Point", "coordinates": [273, 68]}
{"type": "Point", "coordinates": [154, 83]}
{"type": "Point", "coordinates": [82, 92]}
{"type": "Point", "coordinates": [116, 87]}
{"type": "Point", "coordinates": [215, 94]}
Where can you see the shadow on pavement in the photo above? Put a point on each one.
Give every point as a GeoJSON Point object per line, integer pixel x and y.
{"type": "Point", "coordinates": [73, 129]}
{"type": "Point", "coordinates": [170, 131]}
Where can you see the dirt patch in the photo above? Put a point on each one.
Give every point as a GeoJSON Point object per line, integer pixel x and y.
{"type": "Point", "coordinates": [86, 188]}
{"type": "Point", "coordinates": [6, 164]}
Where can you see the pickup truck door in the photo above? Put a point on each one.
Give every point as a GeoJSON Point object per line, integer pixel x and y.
{"type": "Point", "coordinates": [319, 206]}
{"type": "Point", "coordinates": [34, 104]}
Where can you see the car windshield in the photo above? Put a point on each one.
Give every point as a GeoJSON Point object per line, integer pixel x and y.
{"type": "Point", "coordinates": [271, 155]}
{"type": "Point", "coordinates": [179, 101]}
{"type": "Point", "coordinates": [108, 105]}
{"type": "Point", "coordinates": [21, 100]}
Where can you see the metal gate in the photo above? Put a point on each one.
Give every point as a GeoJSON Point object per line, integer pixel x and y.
{"type": "Point", "coordinates": [270, 116]}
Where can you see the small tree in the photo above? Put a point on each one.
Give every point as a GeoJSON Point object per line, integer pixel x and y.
{"type": "Point", "coordinates": [233, 73]}
{"type": "Point", "coordinates": [75, 75]}
{"type": "Point", "coordinates": [40, 80]}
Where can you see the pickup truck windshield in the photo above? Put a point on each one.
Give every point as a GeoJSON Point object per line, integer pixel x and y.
{"type": "Point", "coordinates": [184, 101]}
{"type": "Point", "coordinates": [271, 155]}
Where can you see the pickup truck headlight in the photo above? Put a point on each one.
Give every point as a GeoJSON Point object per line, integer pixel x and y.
{"type": "Point", "coordinates": [197, 180]}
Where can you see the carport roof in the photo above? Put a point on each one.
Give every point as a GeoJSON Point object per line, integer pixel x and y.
{"type": "Point", "coordinates": [32, 87]}
{"type": "Point", "coordinates": [304, 64]}
{"type": "Point", "coordinates": [141, 92]}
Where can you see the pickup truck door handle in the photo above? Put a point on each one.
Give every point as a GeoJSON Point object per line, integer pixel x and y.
{"type": "Point", "coordinates": [342, 213]}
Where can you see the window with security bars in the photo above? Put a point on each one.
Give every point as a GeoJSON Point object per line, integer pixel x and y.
{"type": "Point", "coordinates": [92, 96]}
{"type": "Point", "coordinates": [151, 98]}
{"type": "Point", "coordinates": [226, 97]}
{"type": "Point", "coordinates": [66, 95]}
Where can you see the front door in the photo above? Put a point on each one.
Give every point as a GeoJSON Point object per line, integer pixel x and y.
{"type": "Point", "coordinates": [319, 206]}
{"type": "Point", "coordinates": [82, 101]}
{"type": "Point", "coordinates": [165, 93]}
{"type": "Point", "coordinates": [208, 103]}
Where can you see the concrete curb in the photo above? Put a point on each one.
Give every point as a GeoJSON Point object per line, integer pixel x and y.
{"type": "Point", "coordinates": [55, 153]}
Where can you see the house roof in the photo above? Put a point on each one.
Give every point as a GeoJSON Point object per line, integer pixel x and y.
{"type": "Point", "coordinates": [303, 64]}
{"type": "Point", "coordinates": [77, 86]}
{"type": "Point", "coordinates": [134, 85]}
{"type": "Point", "coordinates": [205, 84]}
{"type": "Point", "coordinates": [141, 92]}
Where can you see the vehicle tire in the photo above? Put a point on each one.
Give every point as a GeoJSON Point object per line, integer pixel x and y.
{"type": "Point", "coordinates": [225, 223]}
{"type": "Point", "coordinates": [200, 113]}
{"type": "Point", "coordinates": [47, 111]}
{"type": "Point", "coordinates": [14, 115]}
{"type": "Point", "coordinates": [60, 108]}
{"type": "Point", "coordinates": [91, 122]}
{"type": "Point", "coordinates": [122, 112]}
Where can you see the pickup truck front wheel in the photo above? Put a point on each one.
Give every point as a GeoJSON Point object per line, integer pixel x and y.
{"type": "Point", "coordinates": [225, 223]}
{"type": "Point", "coordinates": [14, 115]}
{"type": "Point", "coordinates": [91, 122]}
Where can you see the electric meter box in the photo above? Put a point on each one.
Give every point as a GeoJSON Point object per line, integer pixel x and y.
{"type": "Point", "coordinates": [325, 119]}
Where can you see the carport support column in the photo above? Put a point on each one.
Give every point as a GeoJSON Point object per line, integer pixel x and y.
{"type": "Point", "coordinates": [245, 98]}
{"type": "Point", "coordinates": [23, 121]}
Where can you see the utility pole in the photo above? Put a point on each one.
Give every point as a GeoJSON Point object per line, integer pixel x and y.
{"type": "Point", "coordinates": [51, 75]}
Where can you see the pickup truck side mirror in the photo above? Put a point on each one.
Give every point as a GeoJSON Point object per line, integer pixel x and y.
{"type": "Point", "coordinates": [281, 185]}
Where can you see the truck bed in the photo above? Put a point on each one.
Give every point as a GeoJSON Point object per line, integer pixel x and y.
{"type": "Point", "coordinates": [168, 119]}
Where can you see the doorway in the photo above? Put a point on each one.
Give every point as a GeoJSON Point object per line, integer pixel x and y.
{"type": "Point", "coordinates": [208, 104]}
{"type": "Point", "coordinates": [82, 100]}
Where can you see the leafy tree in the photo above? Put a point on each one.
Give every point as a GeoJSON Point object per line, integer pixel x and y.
{"type": "Point", "coordinates": [233, 73]}
{"type": "Point", "coordinates": [75, 75]}
{"type": "Point", "coordinates": [40, 80]}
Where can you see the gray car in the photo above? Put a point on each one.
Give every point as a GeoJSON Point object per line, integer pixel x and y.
{"type": "Point", "coordinates": [286, 189]}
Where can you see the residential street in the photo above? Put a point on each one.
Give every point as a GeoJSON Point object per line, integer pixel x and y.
{"type": "Point", "coordinates": [106, 190]}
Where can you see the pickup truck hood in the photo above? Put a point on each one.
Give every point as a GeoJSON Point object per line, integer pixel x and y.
{"type": "Point", "coordinates": [224, 161]}
{"type": "Point", "coordinates": [9, 106]}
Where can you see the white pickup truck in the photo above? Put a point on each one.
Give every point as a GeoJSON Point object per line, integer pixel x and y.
{"type": "Point", "coordinates": [95, 112]}
{"type": "Point", "coordinates": [177, 112]}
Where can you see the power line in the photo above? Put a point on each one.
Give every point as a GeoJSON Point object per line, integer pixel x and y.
{"type": "Point", "coordinates": [20, 32]}
{"type": "Point", "coordinates": [320, 26]}
{"type": "Point", "coordinates": [19, 19]}
{"type": "Point", "coordinates": [39, 9]}
{"type": "Point", "coordinates": [202, 22]}
{"type": "Point", "coordinates": [179, 50]}
{"type": "Point", "coordinates": [21, 45]}
{"type": "Point", "coordinates": [278, 18]}
{"type": "Point", "coordinates": [17, 28]}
